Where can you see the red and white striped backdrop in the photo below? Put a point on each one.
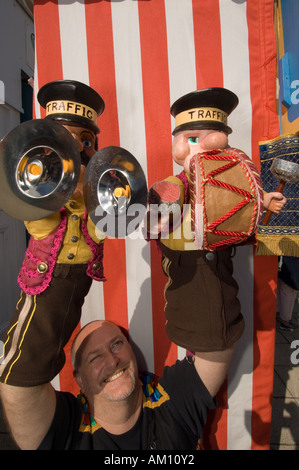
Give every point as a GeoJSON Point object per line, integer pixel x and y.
{"type": "Point", "coordinates": [141, 55]}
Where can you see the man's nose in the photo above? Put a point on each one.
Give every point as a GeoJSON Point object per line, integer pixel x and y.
{"type": "Point", "coordinates": [111, 360]}
{"type": "Point", "coordinates": [215, 140]}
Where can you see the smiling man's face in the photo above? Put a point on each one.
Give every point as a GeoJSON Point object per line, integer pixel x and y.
{"type": "Point", "coordinates": [107, 368]}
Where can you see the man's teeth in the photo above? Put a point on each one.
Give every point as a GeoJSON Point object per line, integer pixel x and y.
{"type": "Point", "coordinates": [115, 376]}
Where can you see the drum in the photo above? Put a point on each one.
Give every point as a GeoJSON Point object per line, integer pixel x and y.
{"type": "Point", "coordinates": [226, 198]}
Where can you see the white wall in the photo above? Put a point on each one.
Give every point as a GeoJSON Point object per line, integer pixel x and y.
{"type": "Point", "coordinates": [16, 54]}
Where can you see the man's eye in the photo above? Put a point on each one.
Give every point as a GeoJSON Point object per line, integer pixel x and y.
{"type": "Point", "coordinates": [117, 344]}
{"type": "Point", "coordinates": [94, 358]}
{"type": "Point", "coordinates": [193, 140]}
{"type": "Point", "coordinates": [86, 143]}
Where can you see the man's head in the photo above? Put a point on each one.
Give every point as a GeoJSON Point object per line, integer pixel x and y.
{"type": "Point", "coordinates": [201, 123]}
{"type": "Point", "coordinates": [104, 363]}
{"type": "Point", "coordinates": [76, 106]}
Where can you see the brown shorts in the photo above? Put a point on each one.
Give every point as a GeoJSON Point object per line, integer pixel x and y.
{"type": "Point", "coordinates": [41, 327]}
{"type": "Point", "coordinates": [202, 310]}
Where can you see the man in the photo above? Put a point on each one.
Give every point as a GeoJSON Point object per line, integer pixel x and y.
{"type": "Point", "coordinates": [117, 410]}
{"type": "Point", "coordinates": [63, 256]}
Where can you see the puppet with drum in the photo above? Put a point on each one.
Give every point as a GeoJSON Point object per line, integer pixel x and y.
{"type": "Point", "coordinates": [214, 204]}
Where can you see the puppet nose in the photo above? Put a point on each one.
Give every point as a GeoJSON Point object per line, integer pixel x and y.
{"type": "Point", "coordinates": [215, 140]}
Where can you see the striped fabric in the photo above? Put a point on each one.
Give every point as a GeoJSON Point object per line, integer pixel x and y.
{"type": "Point", "coordinates": [142, 55]}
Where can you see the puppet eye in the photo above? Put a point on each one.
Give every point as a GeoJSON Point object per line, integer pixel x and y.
{"type": "Point", "coordinates": [86, 143]}
{"type": "Point", "coordinates": [193, 140]}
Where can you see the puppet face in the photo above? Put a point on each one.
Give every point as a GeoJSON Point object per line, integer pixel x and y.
{"type": "Point", "coordinates": [188, 143]}
{"type": "Point", "coordinates": [85, 139]}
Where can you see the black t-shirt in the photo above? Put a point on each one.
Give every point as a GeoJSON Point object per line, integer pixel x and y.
{"type": "Point", "coordinates": [174, 412]}
{"type": "Point", "coordinates": [130, 439]}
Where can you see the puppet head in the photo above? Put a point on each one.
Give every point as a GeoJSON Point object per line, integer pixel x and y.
{"type": "Point", "coordinates": [76, 106]}
{"type": "Point", "coordinates": [201, 123]}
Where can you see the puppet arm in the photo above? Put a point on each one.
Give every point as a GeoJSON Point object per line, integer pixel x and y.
{"type": "Point", "coordinates": [165, 202]}
{"type": "Point", "coordinates": [40, 229]}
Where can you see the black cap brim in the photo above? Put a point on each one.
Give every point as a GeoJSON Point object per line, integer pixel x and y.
{"type": "Point", "coordinates": [80, 121]}
{"type": "Point", "coordinates": [218, 126]}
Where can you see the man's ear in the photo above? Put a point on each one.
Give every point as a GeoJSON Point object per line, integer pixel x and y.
{"type": "Point", "coordinates": [78, 379]}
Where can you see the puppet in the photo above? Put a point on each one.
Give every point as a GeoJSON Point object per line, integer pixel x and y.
{"type": "Point", "coordinates": [213, 205]}
{"type": "Point", "coordinates": [64, 253]}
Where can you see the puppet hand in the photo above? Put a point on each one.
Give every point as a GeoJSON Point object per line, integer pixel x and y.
{"type": "Point", "coordinates": [274, 202]}
{"type": "Point", "coordinates": [165, 195]}
{"type": "Point", "coordinates": [164, 204]}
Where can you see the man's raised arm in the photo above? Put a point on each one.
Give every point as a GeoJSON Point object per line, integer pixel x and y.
{"type": "Point", "coordinates": [29, 412]}
{"type": "Point", "coordinates": [212, 367]}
